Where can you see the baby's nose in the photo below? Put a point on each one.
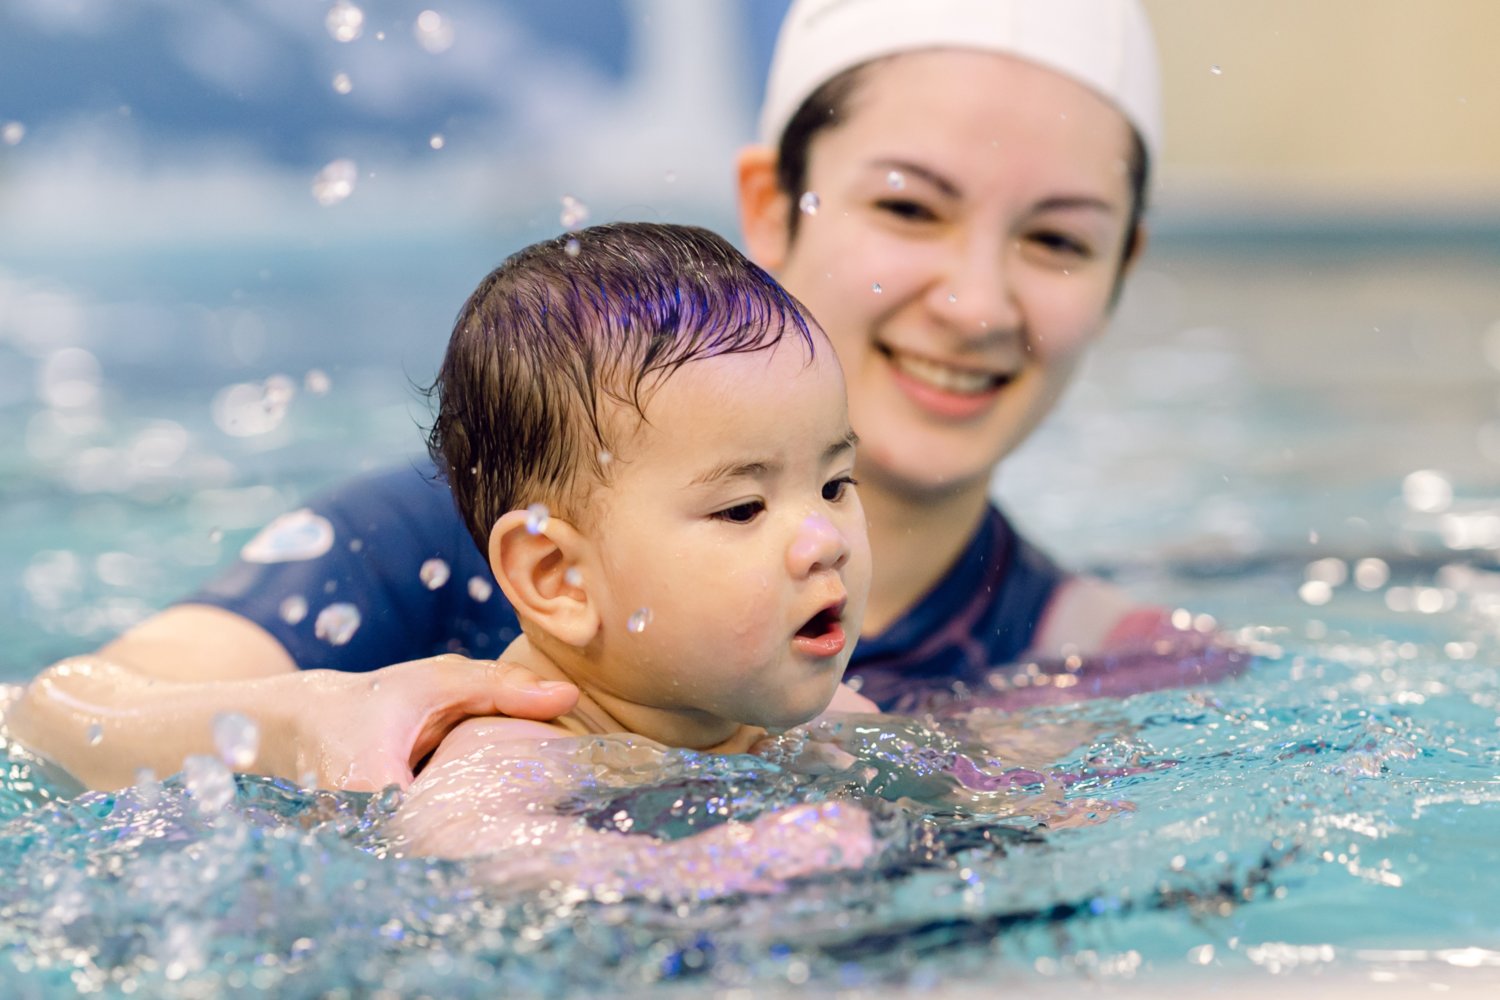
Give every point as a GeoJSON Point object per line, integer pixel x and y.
{"type": "Point", "coordinates": [817, 545]}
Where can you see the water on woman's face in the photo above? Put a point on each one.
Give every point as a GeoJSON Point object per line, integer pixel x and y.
{"type": "Point", "coordinates": [972, 214]}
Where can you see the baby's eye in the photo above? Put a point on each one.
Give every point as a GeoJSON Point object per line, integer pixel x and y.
{"type": "Point", "coordinates": [906, 209]}
{"type": "Point", "coordinates": [835, 489]}
{"type": "Point", "coordinates": [740, 513]}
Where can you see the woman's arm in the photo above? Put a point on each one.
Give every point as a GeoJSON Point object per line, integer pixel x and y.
{"type": "Point", "coordinates": [150, 700]}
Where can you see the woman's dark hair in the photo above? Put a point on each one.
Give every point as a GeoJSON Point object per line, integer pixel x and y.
{"type": "Point", "coordinates": [564, 329]}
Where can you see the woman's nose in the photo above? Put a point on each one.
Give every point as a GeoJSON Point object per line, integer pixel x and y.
{"type": "Point", "coordinates": [976, 297]}
{"type": "Point", "coordinates": [817, 545]}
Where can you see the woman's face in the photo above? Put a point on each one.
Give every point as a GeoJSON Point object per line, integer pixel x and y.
{"type": "Point", "coordinates": [971, 220]}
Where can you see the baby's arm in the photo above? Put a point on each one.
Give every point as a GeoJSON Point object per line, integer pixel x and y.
{"type": "Point", "coordinates": [489, 792]}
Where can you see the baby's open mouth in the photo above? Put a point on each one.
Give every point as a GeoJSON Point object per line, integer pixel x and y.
{"type": "Point", "coordinates": [823, 623]}
{"type": "Point", "coordinates": [822, 637]}
{"type": "Point", "coordinates": [963, 381]}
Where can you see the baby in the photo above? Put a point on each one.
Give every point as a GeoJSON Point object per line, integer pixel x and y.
{"type": "Point", "coordinates": [649, 438]}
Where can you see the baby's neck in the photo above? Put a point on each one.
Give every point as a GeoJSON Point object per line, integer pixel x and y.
{"type": "Point", "coordinates": [600, 712]}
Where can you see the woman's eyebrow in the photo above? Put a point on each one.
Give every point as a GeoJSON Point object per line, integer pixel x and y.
{"type": "Point", "coordinates": [1076, 201]}
{"type": "Point", "coordinates": [906, 167]}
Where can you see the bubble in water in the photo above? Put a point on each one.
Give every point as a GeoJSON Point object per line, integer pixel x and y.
{"type": "Point", "coordinates": [335, 182]}
{"type": "Point", "coordinates": [895, 180]}
{"type": "Point", "coordinates": [292, 537]}
{"type": "Point", "coordinates": [573, 577]}
{"type": "Point", "coordinates": [317, 382]}
{"type": "Point", "coordinates": [11, 133]}
{"type": "Point", "coordinates": [345, 22]}
{"type": "Point", "coordinates": [637, 622]}
{"type": "Point", "coordinates": [876, 288]}
{"type": "Point", "coordinates": [433, 31]}
{"type": "Point", "coordinates": [1371, 573]}
{"type": "Point", "coordinates": [437, 141]}
{"type": "Point", "coordinates": [809, 203]}
{"type": "Point", "coordinates": [209, 783]}
{"type": "Point", "coordinates": [237, 738]}
{"type": "Point", "coordinates": [294, 609]}
{"type": "Point", "coordinates": [572, 247]}
{"type": "Point", "coordinates": [337, 623]}
{"type": "Point", "coordinates": [95, 734]}
{"type": "Point", "coordinates": [537, 516]}
{"type": "Point", "coordinates": [342, 84]}
{"type": "Point", "coordinates": [1215, 70]}
{"type": "Point", "coordinates": [1427, 491]}
{"type": "Point", "coordinates": [434, 573]}
{"type": "Point", "coordinates": [574, 213]}
{"type": "Point", "coordinates": [480, 589]}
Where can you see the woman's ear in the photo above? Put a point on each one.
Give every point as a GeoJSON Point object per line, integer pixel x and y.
{"type": "Point", "coordinates": [764, 208]}
{"type": "Point", "coordinates": [532, 568]}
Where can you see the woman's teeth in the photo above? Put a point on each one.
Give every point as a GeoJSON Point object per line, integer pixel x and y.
{"type": "Point", "coordinates": [941, 376]}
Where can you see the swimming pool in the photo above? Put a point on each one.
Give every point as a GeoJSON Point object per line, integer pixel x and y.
{"type": "Point", "coordinates": [1299, 437]}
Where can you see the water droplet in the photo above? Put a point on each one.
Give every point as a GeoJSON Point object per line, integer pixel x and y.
{"type": "Point", "coordinates": [876, 288]}
{"type": "Point", "coordinates": [952, 298]}
{"type": "Point", "coordinates": [237, 738]}
{"type": "Point", "coordinates": [11, 133]}
{"type": "Point", "coordinates": [294, 609]}
{"type": "Point", "coordinates": [317, 382]}
{"type": "Point", "coordinates": [70, 379]}
{"type": "Point", "coordinates": [480, 589]}
{"type": "Point", "coordinates": [337, 623]}
{"type": "Point", "coordinates": [854, 683]}
{"type": "Point", "coordinates": [1427, 491]}
{"type": "Point", "coordinates": [434, 573]}
{"type": "Point", "coordinates": [433, 31]}
{"type": "Point", "coordinates": [895, 180]}
{"type": "Point", "coordinates": [1215, 70]}
{"type": "Point", "coordinates": [574, 212]}
{"type": "Point", "coordinates": [809, 203]}
{"type": "Point", "coordinates": [345, 22]}
{"type": "Point", "coordinates": [605, 456]}
{"type": "Point", "coordinates": [1371, 573]}
{"type": "Point", "coordinates": [95, 734]}
{"type": "Point", "coordinates": [1315, 592]}
{"type": "Point", "coordinates": [572, 247]}
{"type": "Point", "coordinates": [216, 535]}
{"type": "Point", "coordinates": [573, 577]}
{"type": "Point", "coordinates": [637, 622]}
{"type": "Point", "coordinates": [437, 141]}
{"type": "Point", "coordinates": [342, 84]}
{"type": "Point", "coordinates": [292, 537]}
{"type": "Point", "coordinates": [335, 182]}
{"type": "Point", "coordinates": [537, 516]}
{"type": "Point", "coordinates": [670, 177]}
{"type": "Point", "coordinates": [208, 782]}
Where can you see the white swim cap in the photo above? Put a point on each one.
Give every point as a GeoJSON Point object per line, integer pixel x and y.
{"type": "Point", "coordinates": [1104, 44]}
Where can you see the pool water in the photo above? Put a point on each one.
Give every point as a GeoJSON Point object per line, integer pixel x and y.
{"type": "Point", "coordinates": [1299, 439]}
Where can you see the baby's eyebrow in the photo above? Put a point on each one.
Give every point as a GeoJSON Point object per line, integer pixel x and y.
{"type": "Point", "coordinates": [735, 470]}
{"type": "Point", "coordinates": [763, 468]}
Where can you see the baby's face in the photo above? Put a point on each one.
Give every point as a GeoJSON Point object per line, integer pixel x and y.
{"type": "Point", "coordinates": [731, 544]}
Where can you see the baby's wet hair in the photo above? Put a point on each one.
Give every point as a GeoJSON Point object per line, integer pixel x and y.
{"type": "Point", "coordinates": [563, 334]}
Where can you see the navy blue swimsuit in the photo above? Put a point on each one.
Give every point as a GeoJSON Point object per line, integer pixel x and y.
{"type": "Point", "coordinates": [360, 550]}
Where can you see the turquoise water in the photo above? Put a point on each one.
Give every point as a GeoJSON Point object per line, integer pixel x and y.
{"type": "Point", "coordinates": [1295, 440]}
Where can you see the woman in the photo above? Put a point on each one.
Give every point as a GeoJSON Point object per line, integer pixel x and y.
{"type": "Point", "coordinates": [954, 188]}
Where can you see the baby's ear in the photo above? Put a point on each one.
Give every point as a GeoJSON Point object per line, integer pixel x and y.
{"type": "Point", "coordinates": [765, 209]}
{"type": "Point", "coordinates": [532, 570]}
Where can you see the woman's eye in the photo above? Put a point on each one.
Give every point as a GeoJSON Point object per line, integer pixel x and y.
{"type": "Point", "coordinates": [906, 209]}
{"type": "Point", "coordinates": [740, 513]}
{"type": "Point", "coordinates": [835, 489]}
{"type": "Point", "coordinates": [1060, 244]}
